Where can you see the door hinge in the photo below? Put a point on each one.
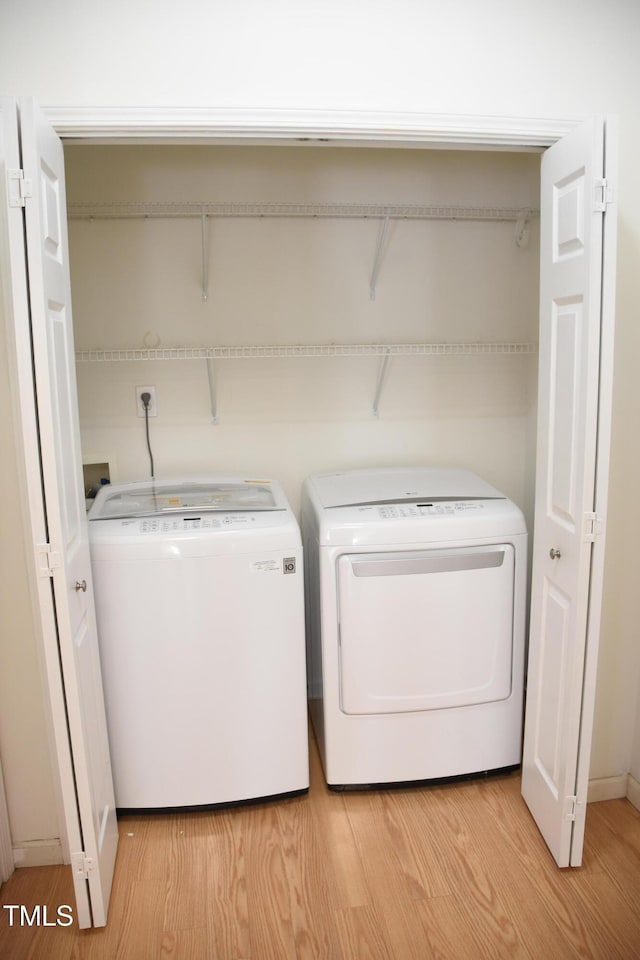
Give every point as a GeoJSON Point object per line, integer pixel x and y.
{"type": "Point", "coordinates": [19, 188]}
{"type": "Point", "coordinates": [81, 866]}
{"type": "Point", "coordinates": [592, 528]}
{"type": "Point", "coordinates": [570, 804]}
{"type": "Point", "coordinates": [48, 559]}
{"type": "Point", "coordinates": [602, 194]}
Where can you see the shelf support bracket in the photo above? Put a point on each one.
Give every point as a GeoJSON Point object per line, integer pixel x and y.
{"type": "Point", "coordinates": [382, 373]}
{"type": "Point", "coordinates": [211, 376]}
{"type": "Point", "coordinates": [378, 257]}
{"type": "Point", "coordinates": [523, 229]}
{"type": "Point", "coordinates": [205, 258]}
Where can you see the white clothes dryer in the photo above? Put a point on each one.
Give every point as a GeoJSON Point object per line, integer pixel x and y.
{"type": "Point", "coordinates": [200, 611]}
{"type": "Point", "coordinates": [415, 590]}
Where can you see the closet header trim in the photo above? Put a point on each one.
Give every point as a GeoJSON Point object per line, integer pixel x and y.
{"type": "Point", "coordinates": [165, 124]}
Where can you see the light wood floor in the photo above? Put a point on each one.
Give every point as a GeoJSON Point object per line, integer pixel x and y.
{"type": "Point", "coordinates": [453, 873]}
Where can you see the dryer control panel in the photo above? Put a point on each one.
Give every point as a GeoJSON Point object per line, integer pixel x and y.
{"type": "Point", "coordinates": [394, 511]}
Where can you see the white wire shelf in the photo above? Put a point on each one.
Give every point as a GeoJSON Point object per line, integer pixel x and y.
{"type": "Point", "coordinates": [303, 350]}
{"type": "Point", "coordinates": [157, 209]}
{"type": "Point", "coordinates": [382, 213]}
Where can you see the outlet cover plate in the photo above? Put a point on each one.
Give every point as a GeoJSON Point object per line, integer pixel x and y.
{"type": "Point", "coordinates": [153, 407]}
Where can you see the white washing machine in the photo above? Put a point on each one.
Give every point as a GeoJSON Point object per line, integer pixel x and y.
{"type": "Point", "coordinates": [200, 609]}
{"type": "Point", "coordinates": [415, 589]}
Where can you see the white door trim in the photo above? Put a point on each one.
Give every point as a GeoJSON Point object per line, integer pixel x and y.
{"type": "Point", "coordinates": [155, 124]}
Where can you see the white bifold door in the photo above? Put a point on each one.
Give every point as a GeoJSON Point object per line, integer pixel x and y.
{"type": "Point", "coordinates": [42, 335]}
{"type": "Point", "coordinates": [575, 379]}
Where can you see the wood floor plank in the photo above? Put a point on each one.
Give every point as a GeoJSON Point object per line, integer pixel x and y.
{"type": "Point", "coordinates": [185, 905]}
{"type": "Point", "coordinates": [391, 891]}
{"type": "Point", "coordinates": [271, 932]}
{"type": "Point", "coordinates": [361, 935]}
{"type": "Point", "coordinates": [228, 913]}
{"type": "Point", "coordinates": [450, 932]}
{"type": "Point", "coordinates": [621, 817]}
{"type": "Point", "coordinates": [473, 879]}
{"type": "Point", "coordinates": [140, 926]}
{"type": "Point", "coordinates": [408, 818]}
{"type": "Point", "coordinates": [144, 847]}
{"type": "Point", "coordinates": [309, 892]}
{"type": "Point", "coordinates": [343, 864]}
{"type": "Point", "coordinates": [618, 854]}
{"type": "Point", "coordinates": [182, 944]}
{"type": "Point", "coordinates": [613, 934]}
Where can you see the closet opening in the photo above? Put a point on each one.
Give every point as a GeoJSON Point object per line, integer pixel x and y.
{"type": "Point", "coordinates": [307, 334]}
{"type": "Point", "coordinates": [304, 308]}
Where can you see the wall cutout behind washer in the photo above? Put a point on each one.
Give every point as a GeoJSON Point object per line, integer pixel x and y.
{"type": "Point", "coordinates": [415, 587]}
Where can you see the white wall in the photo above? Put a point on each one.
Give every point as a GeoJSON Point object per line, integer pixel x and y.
{"type": "Point", "coordinates": [542, 58]}
{"type": "Point", "coordinates": [499, 57]}
{"type": "Point", "coordinates": [291, 281]}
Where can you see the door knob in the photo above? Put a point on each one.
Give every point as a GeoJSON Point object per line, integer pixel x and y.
{"type": "Point", "coordinates": [81, 585]}
{"type": "Point", "coordinates": [554, 554]}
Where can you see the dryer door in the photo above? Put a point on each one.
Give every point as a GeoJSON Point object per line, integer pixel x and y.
{"type": "Point", "coordinates": [425, 630]}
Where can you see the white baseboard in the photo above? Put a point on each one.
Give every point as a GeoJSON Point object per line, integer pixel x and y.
{"type": "Point", "coordinates": [38, 853]}
{"type": "Point", "coordinates": [607, 788]}
{"type": "Point", "coordinates": [633, 791]}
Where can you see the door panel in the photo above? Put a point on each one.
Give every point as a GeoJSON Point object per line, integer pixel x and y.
{"type": "Point", "coordinates": [59, 436]}
{"type": "Point", "coordinates": [558, 701]}
{"type": "Point", "coordinates": [568, 215]}
{"type": "Point", "coordinates": [554, 640]}
{"type": "Point", "coordinates": [565, 351]}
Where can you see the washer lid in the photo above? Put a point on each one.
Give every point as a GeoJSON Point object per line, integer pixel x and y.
{"type": "Point", "coordinates": [399, 484]}
{"type": "Point", "coordinates": [157, 497]}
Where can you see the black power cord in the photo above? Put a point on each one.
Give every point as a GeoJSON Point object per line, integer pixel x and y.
{"type": "Point", "coordinates": [146, 399]}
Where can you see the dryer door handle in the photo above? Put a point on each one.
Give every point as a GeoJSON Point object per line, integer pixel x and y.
{"type": "Point", "coordinates": [445, 561]}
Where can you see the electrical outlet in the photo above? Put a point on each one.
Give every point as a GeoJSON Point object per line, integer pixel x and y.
{"type": "Point", "coordinates": [153, 409]}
